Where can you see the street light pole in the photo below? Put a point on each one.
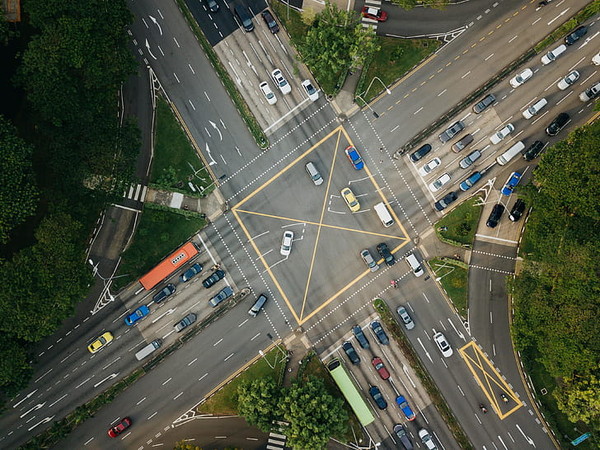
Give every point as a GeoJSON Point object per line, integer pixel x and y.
{"type": "Point", "coordinates": [368, 106]}
{"type": "Point", "coordinates": [365, 93]}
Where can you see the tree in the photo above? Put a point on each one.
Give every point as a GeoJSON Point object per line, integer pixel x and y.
{"type": "Point", "coordinates": [14, 366]}
{"type": "Point", "coordinates": [18, 192]}
{"type": "Point", "coordinates": [314, 415]}
{"type": "Point", "coordinates": [258, 402]}
{"type": "Point", "coordinates": [410, 4]}
{"type": "Point", "coordinates": [579, 398]}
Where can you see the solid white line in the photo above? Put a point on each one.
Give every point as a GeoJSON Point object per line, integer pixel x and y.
{"type": "Point", "coordinates": [496, 238]}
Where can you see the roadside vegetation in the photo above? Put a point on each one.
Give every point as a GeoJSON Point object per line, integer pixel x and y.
{"type": "Point", "coordinates": [453, 275]}
{"type": "Point", "coordinates": [556, 293]}
{"type": "Point", "coordinates": [64, 156]}
{"type": "Point", "coordinates": [459, 226]}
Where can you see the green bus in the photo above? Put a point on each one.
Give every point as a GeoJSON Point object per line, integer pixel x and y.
{"type": "Point", "coordinates": [353, 397]}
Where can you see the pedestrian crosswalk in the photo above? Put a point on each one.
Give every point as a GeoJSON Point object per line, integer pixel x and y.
{"type": "Point", "coordinates": [136, 192]}
{"type": "Point", "coordinates": [366, 22]}
{"type": "Point", "coordinates": [276, 441]}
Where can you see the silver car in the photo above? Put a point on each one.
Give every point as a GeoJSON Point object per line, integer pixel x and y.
{"type": "Point", "coordinates": [369, 260]}
{"type": "Point", "coordinates": [185, 322]}
{"type": "Point", "coordinates": [406, 319]}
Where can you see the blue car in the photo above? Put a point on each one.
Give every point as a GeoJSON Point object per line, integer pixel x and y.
{"type": "Point", "coordinates": [138, 314]}
{"type": "Point", "coordinates": [375, 393]}
{"type": "Point", "coordinates": [191, 272]}
{"type": "Point", "coordinates": [378, 330]}
{"type": "Point", "coordinates": [403, 404]}
{"type": "Point", "coordinates": [360, 337]}
{"type": "Point", "coordinates": [354, 157]}
{"type": "Point", "coordinates": [511, 183]}
{"type": "Point", "coordinates": [469, 182]}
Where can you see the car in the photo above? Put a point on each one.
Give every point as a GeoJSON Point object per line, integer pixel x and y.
{"type": "Point", "coordinates": [270, 21]}
{"type": "Point", "coordinates": [360, 337]}
{"type": "Point", "coordinates": [484, 103]}
{"type": "Point", "coordinates": [469, 159]}
{"type": "Point", "coordinates": [442, 344]}
{"type": "Point", "coordinates": [500, 135]}
{"type": "Point", "coordinates": [511, 183]}
{"type": "Point", "coordinates": [365, 254]}
{"type": "Point", "coordinates": [286, 243]}
{"type": "Point", "coordinates": [535, 108]}
{"type": "Point", "coordinates": [400, 433]}
{"type": "Point", "coordinates": [374, 14]}
{"type": "Point", "coordinates": [405, 407]}
{"type": "Point", "coordinates": [430, 167]}
{"type": "Point", "coordinates": [194, 270]}
{"type": "Point", "coordinates": [441, 181]}
{"type": "Point", "coordinates": [380, 333]}
{"type": "Point", "coordinates": [380, 368]}
{"type": "Point", "coordinates": [470, 181]}
{"type": "Point", "coordinates": [567, 81]}
{"type": "Point", "coordinates": [185, 322]}
{"type": "Point", "coordinates": [385, 253]}
{"type": "Point", "coordinates": [223, 294]}
{"type": "Point", "coordinates": [120, 427]}
{"type": "Point", "coordinates": [590, 93]}
{"type": "Point", "coordinates": [577, 34]}
{"type": "Point", "coordinates": [213, 278]}
{"type": "Point", "coordinates": [596, 59]}
{"type": "Point", "coordinates": [443, 203]}
{"type": "Point", "coordinates": [100, 342]}
{"type": "Point", "coordinates": [281, 82]}
{"type": "Point", "coordinates": [420, 152]}
{"type": "Point", "coordinates": [405, 318]}
{"type": "Point", "coordinates": [517, 210]}
{"type": "Point", "coordinates": [212, 5]}
{"type": "Point", "coordinates": [351, 352]}
{"type": "Point", "coordinates": [533, 151]}
{"type": "Point", "coordinates": [462, 143]}
{"type": "Point", "coordinates": [312, 93]}
{"type": "Point", "coordinates": [350, 199]}
{"type": "Point", "coordinates": [558, 124]}
{"type": "Point", "coordinates": [553, 54]}
{"type": "Point", "coordinates": [354, 157]}
{"type": "Point", "coordinates": [164, 293]}
{"type": "Point", "coordinates": [377, 396]}
{"type": "Point", "coordinates": [452, 131]}
{"type": "Point", "coordinates": [138, 314]}
{"type": "Point", "coordinates": [268, 93]}
{"type": "Point", "coordinates": [521, 78]}
{"type": "Point", "coordinates": [495, 215]}
{"type": "Point", "coordinates": [426, 439]}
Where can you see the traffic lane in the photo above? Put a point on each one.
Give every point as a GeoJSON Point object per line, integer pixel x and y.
{"type": "Point", "coordinates": [216, 26]}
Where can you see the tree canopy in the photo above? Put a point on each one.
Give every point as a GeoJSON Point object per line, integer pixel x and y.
{"type": "Point", "coordinates": [258, 402]}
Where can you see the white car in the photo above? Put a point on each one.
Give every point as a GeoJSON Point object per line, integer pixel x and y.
{"type": "Point", "coordinates": [286, 243]}
{"type": "Point", "coordinates": [281, 82]}
{"type": "Point", "coordinates": [596, 59]}
{"type": "Point", "coordinates": [443, 345]}
{"type": "Point", "coordinates": [553, 54]}
{"type": "Point", "coordinates": [426, 439]}
{"type": "Point", "coordinates": [497, 137]}
{"type": "Point", "coordinates": [535, 108]}
{"type": "Point", "coordinates": [430, 166]}
{"type": "Point", "coordinates": [312, 93]}
{"type": "Point", "coordinates": [568, 80]}
{"type": "Point", "coordinates": [437, 184]}
{"type": "Point", "coordinates": [268, 93]}
{"type": "Point", "coordinates": [521, 78]}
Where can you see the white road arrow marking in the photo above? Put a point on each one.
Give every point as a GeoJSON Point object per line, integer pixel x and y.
{"type": "Point", "coordinates": [26, 397]}
{"type": "Point", "coordinates": [148, 48]}
{"type": "Point", "coordinates": [214, 125]}
{"type": "Point", "coordinates": [157, 24]}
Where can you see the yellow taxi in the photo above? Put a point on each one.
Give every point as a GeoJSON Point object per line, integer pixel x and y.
{"type": "Point", "coordinates": [350, 199]}
{"type": "Point", "coordinates": [100, 342]}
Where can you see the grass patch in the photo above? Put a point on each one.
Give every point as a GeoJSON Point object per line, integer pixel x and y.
{"type": "Point", "coordinates": [176, 162]}
{"type": "Point", "coordinates": [396, 58]}
{"type": "Point", "coordinates": [291, 20]}
{"type": "Point", "coordinates": [158, 234]}
{"type": "Point", "coordinates": [224, 401]}
{"type": "Point", "coordinates": [459, 226]}
{"type": "Point", "coordinates": [454, 280]}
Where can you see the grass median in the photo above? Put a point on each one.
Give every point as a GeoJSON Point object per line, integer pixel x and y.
{"type": "Point", "coordinates": [459, 226]}
{"type": "Point", "coordinates": [453, 276]}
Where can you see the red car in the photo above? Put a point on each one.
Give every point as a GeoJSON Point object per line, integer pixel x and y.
{"type": "Point", "coordinates": [374, 14]}
{"type": "Point", "coordinates": [379, 367]}
{"type": "Point", "coordinates": [120, 427]}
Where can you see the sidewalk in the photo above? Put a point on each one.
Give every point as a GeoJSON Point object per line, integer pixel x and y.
{"type": "Point", "coordinates": [212, 206]}
{"type": "Point", "coordinates": [298, 346]}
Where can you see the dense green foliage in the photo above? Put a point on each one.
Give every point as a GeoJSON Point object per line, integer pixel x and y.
{"type": "Point", "coordinates": [258, 401]}
{"type": "Point", "coordinates": [410, 4]}
{"type": "Point", "coordinates": [73, 155]}
{"type": "Point", "coordinates": [556, 294]}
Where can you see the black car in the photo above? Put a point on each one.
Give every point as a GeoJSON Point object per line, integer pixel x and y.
{"type": "Point", "coordinates": [212, 5]}
{"type": "Point", "coordinates": [495, 215]}
{"type": "Point", "coordinates": [378, 330]}
{"type": "Point", "coordinates": [270, 21]}
{"type": "Point", "coordinates": [558, 124]}
{"type": "Point", "coordinates": [360, 337]}
{"type": "Point", "coordinates": [452, 131]}
{"type": "Point", "coordinates": [484, 103]}
{"type": "Point", "coordinates": [375, 393]}
{"type": "Point", "coordinates": [533, 151]}
{"type": "Point", "coordinates": [165, 292]}
{"type": "Point", "coordinates": [420, 153]}
{"type": "Point", "coordinates": [577, 34]}
{"type": "Point", "coordinates": [385, 253]}
{"type": "Point", "coordinates": [216, 276]}
{"type": "Point", "coordinates": [443, 203]}
{"type": "Point", "coordinates": [351, 352]}
{"type": "Point", "coordinates": [403, 437]}
{"type": "Point", "coordinates": [517, 210]}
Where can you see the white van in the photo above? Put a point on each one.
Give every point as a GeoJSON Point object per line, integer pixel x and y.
{"type": "Point", "coordinates": [384, 214]}
{"type": "Point", "coordinates": [413, 263]}
{"type": "Point", "coordinates": [553, 54]}
{"type": "Point", "coordinates": [509, 154]}
{"type": "Point", "coordinates": [148, 349]}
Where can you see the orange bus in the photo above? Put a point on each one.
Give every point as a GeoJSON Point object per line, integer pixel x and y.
{"type": "Point", "coordinates": [169, 265]}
